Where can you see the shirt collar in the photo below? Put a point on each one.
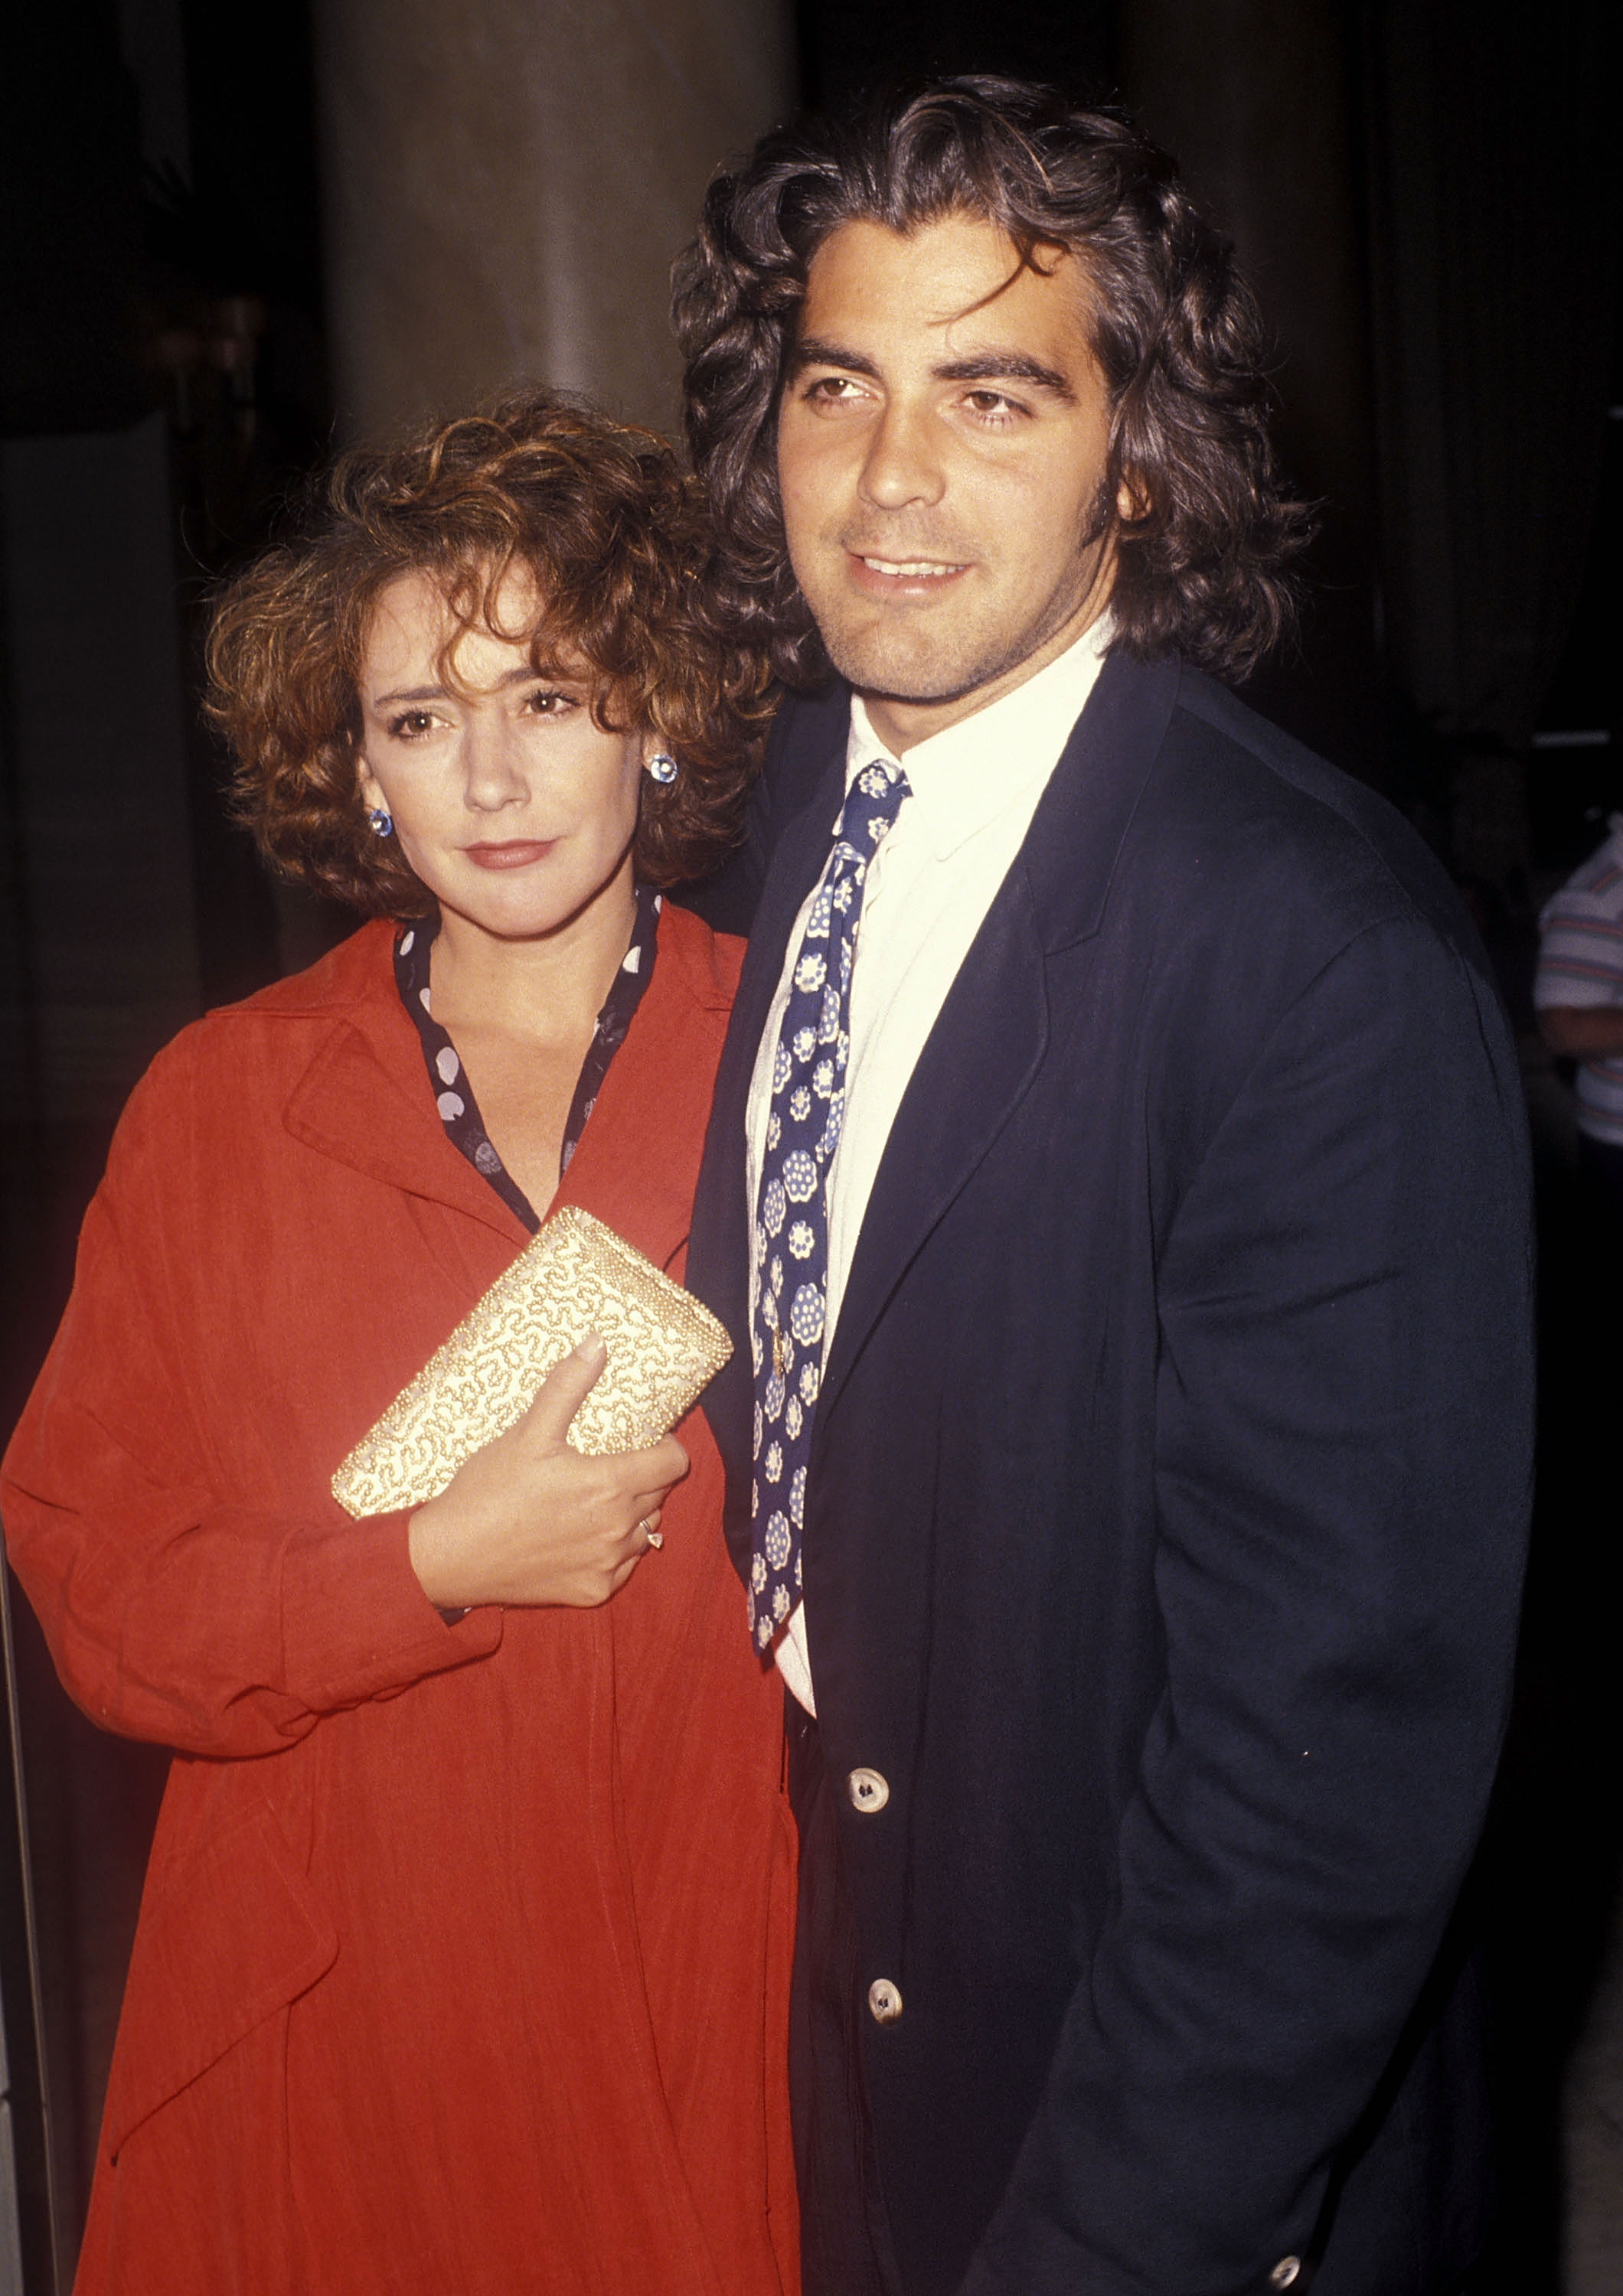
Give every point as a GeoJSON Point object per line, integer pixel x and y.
{"type": "Point", "coordinates": [964, 776]}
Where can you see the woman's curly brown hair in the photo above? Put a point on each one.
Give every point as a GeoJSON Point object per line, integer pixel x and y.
{"type": "Point", "coordinates": [1202, 565]}
{"type": "Point", "coordinates": [612, 536]}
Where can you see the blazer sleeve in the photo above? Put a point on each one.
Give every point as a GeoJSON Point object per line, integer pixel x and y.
{"type": "Point", "coordinates": [1343, 1476]}
{"type": "Point", "coordinates": [175, 1611]}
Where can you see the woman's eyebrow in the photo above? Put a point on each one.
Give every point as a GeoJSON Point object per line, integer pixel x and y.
{"type": "Point", "coordinates": [410, 694]}
{"type": "Point", "coordinates": [521, 676]}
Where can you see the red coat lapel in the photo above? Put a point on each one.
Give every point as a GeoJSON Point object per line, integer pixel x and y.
{"type": "Point", "coordinates": [638, 1163]}
{"type": "Point", "coordinates": [359, 1099]}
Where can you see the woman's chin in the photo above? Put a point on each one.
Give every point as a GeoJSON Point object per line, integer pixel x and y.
{"type": "Point", "coordinates": [523, 903]}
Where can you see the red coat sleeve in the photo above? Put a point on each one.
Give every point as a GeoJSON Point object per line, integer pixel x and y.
{"type": "Point", "coordinates": [176, 1609]}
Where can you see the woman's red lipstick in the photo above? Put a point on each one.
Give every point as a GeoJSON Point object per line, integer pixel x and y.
{"type": "Point", "coordinates": [517, 854]}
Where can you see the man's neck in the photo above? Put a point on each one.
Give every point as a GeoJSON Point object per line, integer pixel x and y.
{"type": "Point", "coordinates": [902, 723]}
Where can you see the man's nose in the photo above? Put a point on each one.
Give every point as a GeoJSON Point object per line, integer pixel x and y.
{"type": "Point", "coordinates": [492, 767]}
{"type": "Point", "coordinates": [904, 463]}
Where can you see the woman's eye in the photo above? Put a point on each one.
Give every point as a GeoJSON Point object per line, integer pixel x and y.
{"type": "Point", "coordinates": [547, 702]}
{"type": "Point", "coordinates": [411, 724]}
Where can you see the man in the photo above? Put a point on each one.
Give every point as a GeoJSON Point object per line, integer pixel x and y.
{"type": "Point", "coordinates": [1117, 1175]}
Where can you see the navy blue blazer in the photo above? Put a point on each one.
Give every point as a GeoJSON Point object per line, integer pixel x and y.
{"type": "Point", "coordinates": [1166, 1521]}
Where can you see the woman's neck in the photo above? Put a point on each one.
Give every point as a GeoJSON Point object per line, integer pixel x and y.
{"type": "Point", "coordinates": [521, 1015]}
{"type": "Point", "coordinates": [539, 989]}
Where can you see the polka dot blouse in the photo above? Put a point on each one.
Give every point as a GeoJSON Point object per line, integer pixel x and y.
{"type": "Point", "coordinates": [447, 1080]}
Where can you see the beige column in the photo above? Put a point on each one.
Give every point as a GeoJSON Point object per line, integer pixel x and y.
{"type": "Point", "coordinates": [506, 181]}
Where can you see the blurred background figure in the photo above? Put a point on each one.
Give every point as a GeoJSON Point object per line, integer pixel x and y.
{"type": "Point", "coordinates": [1578, 994]}
{"type": "Point", "coordinates": [235, 234]}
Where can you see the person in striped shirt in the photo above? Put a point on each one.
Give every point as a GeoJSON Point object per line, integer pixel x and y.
{"type": "Point", "coordinates": [1579, 992]}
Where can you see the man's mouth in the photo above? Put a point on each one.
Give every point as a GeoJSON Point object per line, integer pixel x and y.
{"type": "Point", "coordinates": [913, 569]}
{"type": "Point", "coordinates": [883, 574]}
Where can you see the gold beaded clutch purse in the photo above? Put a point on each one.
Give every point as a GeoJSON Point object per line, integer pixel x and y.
{"type": "Point", "coordinates": [578, 1277]}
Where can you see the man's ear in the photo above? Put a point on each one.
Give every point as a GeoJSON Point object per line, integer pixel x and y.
{"type": "Point", "coordinates": [1132, 501]}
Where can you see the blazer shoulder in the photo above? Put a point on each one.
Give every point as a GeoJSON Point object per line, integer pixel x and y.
{"type": "Point", "coordinates": [809, 729]}
{"type": "Point", "coordinates": [1277, 834]}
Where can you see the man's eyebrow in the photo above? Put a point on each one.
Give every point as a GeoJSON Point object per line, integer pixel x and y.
{"type": "Point", "coordinates": [1005, 367]}
{"type": "Point", "coordinates": [812, 350]}
{"type": "Point", "coordinates": [976, 366]}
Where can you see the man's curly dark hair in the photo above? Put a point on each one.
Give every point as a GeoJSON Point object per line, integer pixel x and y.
{"type": "Point", "coordinates": [1202, 566]}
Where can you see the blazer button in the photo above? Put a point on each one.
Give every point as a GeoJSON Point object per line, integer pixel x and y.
{"type": "Point", "coordinates": [868, 1790]}
{"type": "Point", "coordinates": [1286, 2272]}
{"type": "Point", "coordinates": [884, 2002]}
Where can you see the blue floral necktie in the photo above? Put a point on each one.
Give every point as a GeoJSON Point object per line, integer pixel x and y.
{"type": "Point", "coordinates": [791, 1238]}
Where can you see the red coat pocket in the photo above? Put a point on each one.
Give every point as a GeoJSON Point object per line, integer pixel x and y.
{"type": "Point", "coordinates": [233, 1935]}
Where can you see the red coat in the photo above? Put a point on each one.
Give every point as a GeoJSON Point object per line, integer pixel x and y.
{"type": "Point", "coordinates": [463, 1960]}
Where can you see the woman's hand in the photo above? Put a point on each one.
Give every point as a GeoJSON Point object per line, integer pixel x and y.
{"type": "Point", "coordinates": [530, 1520]}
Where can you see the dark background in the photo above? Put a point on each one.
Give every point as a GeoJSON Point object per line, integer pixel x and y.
{"type": "Point", "coordinates": [1423, 192]}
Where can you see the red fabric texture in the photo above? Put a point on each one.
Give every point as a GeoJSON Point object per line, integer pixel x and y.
{"type": "Point", "coordinates": [463, 1960]}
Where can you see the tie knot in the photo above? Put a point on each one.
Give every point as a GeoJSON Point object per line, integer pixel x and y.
{"type": "Point", "coordinates": [872, 803]}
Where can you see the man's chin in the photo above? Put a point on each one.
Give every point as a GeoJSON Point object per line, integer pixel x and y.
{"type": "Point", "coordinates": [918, 675]}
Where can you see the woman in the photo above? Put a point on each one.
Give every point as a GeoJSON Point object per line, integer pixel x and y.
{"type": "Point", "coordinates": [462, 1957]}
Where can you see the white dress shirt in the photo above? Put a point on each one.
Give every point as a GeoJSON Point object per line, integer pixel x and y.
{"type": "Point", "coordinates": [974, 787]}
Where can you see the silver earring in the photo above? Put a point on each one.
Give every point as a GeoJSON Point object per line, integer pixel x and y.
{"type": "Point", "coordinates": [381, 823]}
{"type": "Point", "coordinates": [662, 767]}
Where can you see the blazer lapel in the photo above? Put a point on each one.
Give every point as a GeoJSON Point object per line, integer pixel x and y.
{"type": "Point", "coordinates": [993, 1026]}
{"type": "Point", "coordinates": [802, 853]}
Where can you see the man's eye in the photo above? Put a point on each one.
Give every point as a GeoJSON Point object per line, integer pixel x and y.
{"type": "Point", "coordinates": [993, 402]}
{"type": "Point", "coordinates": [831, 388]}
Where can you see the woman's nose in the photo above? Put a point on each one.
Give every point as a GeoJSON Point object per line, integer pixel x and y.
{"type": "Point", "coordinates": [904, 463]}
{"type": "Point", "coordinates": [494, 776]}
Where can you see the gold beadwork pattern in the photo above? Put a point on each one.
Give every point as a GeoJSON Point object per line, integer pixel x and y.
{"type": "Point", "coordinates": [578, 1277]}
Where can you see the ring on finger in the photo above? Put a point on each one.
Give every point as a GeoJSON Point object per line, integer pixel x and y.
{"type": "Point", "coordinates": [651, 1536]}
